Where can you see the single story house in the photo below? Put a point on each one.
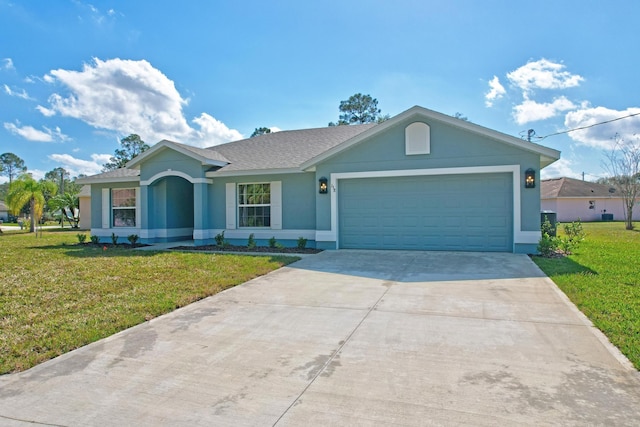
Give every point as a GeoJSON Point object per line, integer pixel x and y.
{"type": "Point", "coordinates": [84, 202]}
{"type": "Point", "coordinates": [4, 212]}
{"type": "Point", "coordinates": [573, 199]}
{"type": "Point", "coordinates": [421, 180]}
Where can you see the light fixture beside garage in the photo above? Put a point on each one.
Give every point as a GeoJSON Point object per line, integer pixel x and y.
{"type": "Point", "coordinates": [529, 178]}
{"type": "Point", "coordinates": [323, 187]}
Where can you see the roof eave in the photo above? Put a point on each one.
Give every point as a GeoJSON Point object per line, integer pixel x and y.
{"type": "Point", "coordinates": [95, 180]}
{"type": "Point", "coordinates": [222, 173]}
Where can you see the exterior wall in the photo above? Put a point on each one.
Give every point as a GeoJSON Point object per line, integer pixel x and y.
{"type": "Point", "coordinates": [96, 213]}
{"type": "Point", "coordinates": [170, 161]}
{"type": "Point", "coordinates": [449, 148]}
{"type": "Point", "coordinates": [85, 212]}
{"type": "Point", "coordinates": [298, 209]}
{"type": "Point", "coordinates": [572, 209]}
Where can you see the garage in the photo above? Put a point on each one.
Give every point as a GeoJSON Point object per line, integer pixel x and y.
{"type": "Point", "coordinates": [466, 212]}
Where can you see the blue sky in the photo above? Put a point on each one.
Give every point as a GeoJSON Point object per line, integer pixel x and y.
{"type": "Point", "coordinates": [77, 76]}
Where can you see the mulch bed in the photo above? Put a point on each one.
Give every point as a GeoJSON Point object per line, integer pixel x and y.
{"type": "Point", "coordinates": [257, 249]}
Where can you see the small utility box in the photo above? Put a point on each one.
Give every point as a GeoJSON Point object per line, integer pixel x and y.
{"type": "Point", "coordinates": [552, 217]}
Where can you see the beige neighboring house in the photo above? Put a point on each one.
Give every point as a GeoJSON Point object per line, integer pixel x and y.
{"type": "Point", "coordinates": [4, 212]}
{"type": "Point", "coordinates": [84, 198]}
{"type": "Point", "coordinates": [573, 199]}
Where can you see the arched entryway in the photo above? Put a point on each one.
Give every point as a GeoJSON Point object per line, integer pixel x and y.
{"type": "Point", "coordinates": [170, 209]}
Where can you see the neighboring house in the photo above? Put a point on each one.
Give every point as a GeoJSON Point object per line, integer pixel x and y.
{"type": "Point", "coordinates": [420, 180]}
{"type": "Point", "coordinates": [84, 202]}
{"type": "Point", "coordinates": [573, 199]}
{"type": "Point", "coordinates": [4, 212]}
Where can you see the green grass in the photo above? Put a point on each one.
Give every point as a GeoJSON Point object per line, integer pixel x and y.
{"type": "Point", "coordinates": [602, 278]}
{"type": "Point", "coordinates": [56, 295]}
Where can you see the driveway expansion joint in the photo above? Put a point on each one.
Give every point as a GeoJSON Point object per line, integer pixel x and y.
{"type": "Point", "coordinates": [333, 355]}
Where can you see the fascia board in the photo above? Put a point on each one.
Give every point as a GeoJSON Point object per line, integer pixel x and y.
{"type": "Point", "coordinates": [221, 174]}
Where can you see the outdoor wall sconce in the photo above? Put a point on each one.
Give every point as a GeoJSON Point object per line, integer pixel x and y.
{"type": "Point", "coordinates": [323, 188]}
{"type": "Point", "coordinates": [529, 178]}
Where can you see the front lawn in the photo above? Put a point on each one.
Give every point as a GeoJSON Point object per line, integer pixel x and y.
{"type": "Point", "coordinates": [56, 295]}
{"type": "Point", "coordinates": [602, 279]}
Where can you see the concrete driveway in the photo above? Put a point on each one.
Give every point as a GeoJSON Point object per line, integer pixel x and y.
{"type": "Point", "coordinates": [348, 338]}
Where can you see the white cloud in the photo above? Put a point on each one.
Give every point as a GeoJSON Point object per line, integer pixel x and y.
{"type": "Point", "coordinates": [78, 166]}
{"type": "Point", "coordinates": [275, 129]}
{"type": "Point", "coordinates": [560, 168]}
{"type": "Point", "coordinates": [47, 112]}
{"type": "Point", "coordinates": [213, 132]}
{"type": "Point", "coordinates": [36, 174]}
{"type": "Point", "coordinates": [601, 136]}
{"type": "Point", "coordinates": [7, 64]}
{"type": "Point", "coordinates": [530, 111]}
{"type": "Point", "coordinates": [496, 91]}
{"type": "Point", "coordinates": [543, 74]}
{"type": "Point", "coordinates": [129, 96]}
{"type": "Point", "coordinates": [20, 94]}
{"type": "Point", "coordinates": [32, 134]}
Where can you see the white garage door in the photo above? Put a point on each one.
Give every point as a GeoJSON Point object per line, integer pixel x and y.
{"type": "Point", "coordinates": [446, 212]}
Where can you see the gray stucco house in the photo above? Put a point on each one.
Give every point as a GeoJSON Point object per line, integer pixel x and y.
{"type": "Point", "coordinates": [420, 180]}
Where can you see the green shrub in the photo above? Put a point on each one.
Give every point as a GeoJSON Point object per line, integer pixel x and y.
{"type": "Point", "coordinates": [302, 243]}
{"type": "Point", "coordinates": [133, 239]}
{"type": "Point", "coordinates": [81, 237]}
{"type": "Point", "coordinates": [251, 243]}
{"type": "Point", "coordinates": [550, 244]}
{"type": "Point", "coordinates": [220, 239]}
{"type": "Point", "coordinates": [273, 242]}
{"type": "Point", "coordinates": [114, 239]}
{"type": "Point", "coordinates": [94, 239]}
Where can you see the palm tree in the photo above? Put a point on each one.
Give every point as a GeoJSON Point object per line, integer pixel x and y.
{"type": "Point", "coordinates": [26, 190]}
{"type": "Point", "coordinates": [68, 205]}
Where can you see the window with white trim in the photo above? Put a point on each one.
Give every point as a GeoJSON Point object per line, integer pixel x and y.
{"type": "Point", "coordinates": [254, 205]}
{"type": "Point", "coordinates": [123, 207]}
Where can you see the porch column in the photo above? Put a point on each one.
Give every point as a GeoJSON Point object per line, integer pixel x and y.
{"type": "Point", "coordinates": [200, 213]}
{"type": "Point", "coordinates": [145, 222]}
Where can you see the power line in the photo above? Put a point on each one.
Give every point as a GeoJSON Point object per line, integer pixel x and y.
{"type": "Point", "coordinates": [531, 132]}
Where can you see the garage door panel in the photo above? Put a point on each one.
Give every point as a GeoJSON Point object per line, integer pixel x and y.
{"type": "Point", "coordinates": [456, 212]}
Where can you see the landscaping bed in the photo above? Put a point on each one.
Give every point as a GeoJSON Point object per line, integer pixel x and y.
{"type": "Point", "coordinates": [257, 249]}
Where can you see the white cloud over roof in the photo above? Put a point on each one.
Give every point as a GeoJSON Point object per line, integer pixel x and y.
{"type": "Point", "coordinates": [559, 168]}
{"type": "Point", "coordinates": [496, 91]}
{"type": "Point", "coordinates": [543, 74]}
{"type": "Point", "coordinates": [130, 96]}
{"type": "Point", "coordinates": [78, 166]}
{"type": "Point", "coordinates": [530, 111]}
{"type": "Point", "coordinates": [602, 135]}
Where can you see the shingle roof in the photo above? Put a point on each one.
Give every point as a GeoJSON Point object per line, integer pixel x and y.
{"type": "Point", "coordinates": [284, 149]}
{"type": "Point", "coordinates": [569, 187]}
{"type": "Point", "coordinates": [120, 174]}
{"type": "Point", "coordinates": [3, 207]}
{"type": "Point", "coordinates": [207, 153]}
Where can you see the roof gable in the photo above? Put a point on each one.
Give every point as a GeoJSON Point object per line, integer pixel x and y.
{"type": "Point", "coordinates": [205, 156]}
{"type": "Point", "coordinates": [547, 155]}
{"type": "Point", "coordinates": [569, 187]}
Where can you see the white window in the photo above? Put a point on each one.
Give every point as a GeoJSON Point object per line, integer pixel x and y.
{"type": "Point", "coordinates": [592, 204]}
{"type": "Point", "coordinates": [254, 205]}
{"type": "Point", "coordinates": [417, 139]}
{"type": "Point", "coordinates": [123, 207]}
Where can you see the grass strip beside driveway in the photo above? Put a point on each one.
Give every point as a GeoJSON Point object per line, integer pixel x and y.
{"type": "Point", "coordinates": [56, 296]}
{"type": "Point", "coordinates": [602, 278]}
